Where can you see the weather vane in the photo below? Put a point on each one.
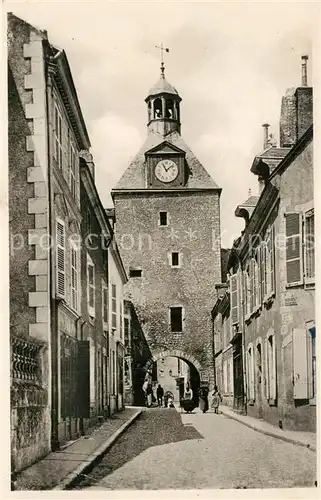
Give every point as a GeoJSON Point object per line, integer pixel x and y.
{"type": "Point", "coordinates": [162, 48]}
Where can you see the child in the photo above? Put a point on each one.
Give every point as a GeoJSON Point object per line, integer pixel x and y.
{"type": "Point", "coordinates": [217, 398]}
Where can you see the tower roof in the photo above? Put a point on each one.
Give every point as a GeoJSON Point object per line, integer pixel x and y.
{"type": "Point", "coordinates": [134, 176]}
{"type": "Point", "coordinates": [162, 86]}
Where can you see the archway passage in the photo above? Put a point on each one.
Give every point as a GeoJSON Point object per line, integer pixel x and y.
{"type": "Point", "coordinates": [179, 378]}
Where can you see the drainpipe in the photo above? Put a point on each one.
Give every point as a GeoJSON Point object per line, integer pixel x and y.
{"type": "Point", "coordinates": [213, 349]}
{"type": "Point", "coordinates": [81, 419]}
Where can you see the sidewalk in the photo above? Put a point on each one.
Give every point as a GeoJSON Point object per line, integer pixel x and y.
{"type": "Point", "coordinates": [307, 439]}
{"type": "Point", "coordinates": [59, 469]}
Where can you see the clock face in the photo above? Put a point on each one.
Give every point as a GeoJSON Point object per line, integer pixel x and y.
{"type": "Point", "coordinates": [166, 170]}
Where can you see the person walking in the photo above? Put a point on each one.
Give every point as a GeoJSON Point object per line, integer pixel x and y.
{"type": "Point", "coordinates": [216, 399]}
{"type": "Point", "coordinates": [187, 402]}
{"type": "Point", "coordinates": [145, 388]}
{"type": "Point", "coordinates": [160, 395]}
{"type": "Point", "coordinates": [149, 393]}
{"type": "Point", "coordinates": [203, 395]}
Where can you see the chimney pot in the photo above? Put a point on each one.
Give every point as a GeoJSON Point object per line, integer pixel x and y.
{"type": "Point", "coordinates": [304, 70]}
{"type": "Point", "coordinates": [266, 135]}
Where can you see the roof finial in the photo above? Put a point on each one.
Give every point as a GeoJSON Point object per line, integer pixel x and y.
{"type": "Point", "coordinates": [162, 48]}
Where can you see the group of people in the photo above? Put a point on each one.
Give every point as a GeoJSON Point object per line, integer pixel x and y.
{"type": "Point", "coordinates": [187, 403]}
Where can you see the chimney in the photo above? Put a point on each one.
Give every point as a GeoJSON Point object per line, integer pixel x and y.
{"type": "Point", "coordinates": [265, 135]}
{"type": "Point", "coordinates": [304, 70]}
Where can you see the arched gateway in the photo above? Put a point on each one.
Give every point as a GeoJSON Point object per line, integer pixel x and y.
{"type": "Point", "coordinates": [167, 227]}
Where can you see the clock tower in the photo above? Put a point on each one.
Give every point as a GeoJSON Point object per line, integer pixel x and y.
{"type": "Point", "coordinates": [167, 226]}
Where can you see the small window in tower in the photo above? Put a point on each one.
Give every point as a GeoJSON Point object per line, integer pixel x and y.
{"type": "Point", "coordinates": [176, 319]}
{"type": "Point", "coordinates": [135, 273]}
{"type": "Point", "coordinates": [163, 219]}
{"type": "Point", "coordinates": [175, 259]}
{"type": "Point", "coordinates": [158, 108]}
{"type": "Point", "coordinates": [169, 108]}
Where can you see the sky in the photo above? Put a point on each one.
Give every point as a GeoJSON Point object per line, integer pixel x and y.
{"type": "Point", "coordinates": [230, 62]}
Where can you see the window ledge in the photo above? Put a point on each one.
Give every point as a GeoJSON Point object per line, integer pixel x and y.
{"type": "Point", "coordinates": [91, 319]}
{"type": "Point", "coordinates": [268, 299]}
{"type": "Point", "coordinates": [248, 319]}
{"type": "Point", "coordinates": [251, 402]}
{"type": "Point", "coordinates": [313, 402]}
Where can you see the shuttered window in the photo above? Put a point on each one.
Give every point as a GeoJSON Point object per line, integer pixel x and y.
{"type": "Point", "coordinates": [263, 253]}
{"type": "Point", "coordinates": [60, 253]}
{"type": "Point", "coordinates": [105, 303]}
{"type": "Point", "coordinates": [266, 370]}
{"type": "Point", "coordinates": [74, 277]}
{"type": "Point", "coordinates": [300, 364]}
{"type": "Point", "coordinates": [72, 170]}
{"type": "Point", "coordinates": [234, 297]}
{"type": "Point", "coordinates": [58, 138]}
{"type": "Point", "coordinates": [121, 320]}
{"type": "Point", "coordinates": [250, 372]}
{"type": "Point", "coordinates": [271, 368]}
{"type": "Point", "coordinates": [114, 306]}
{"type": "Point", "coordinates": [258, 277]}
{"type": "Point", "coordinates": [293, 234]}
{"type": "Point", "coordinates": [91, 286]}
{"type": "Point", "coordinates": [252, 285]}
{"type": "Point", "coordinates": [309, 247]}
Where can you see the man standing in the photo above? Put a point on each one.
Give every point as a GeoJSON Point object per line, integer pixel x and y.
{"type": "Point", "coordinates": [160, 394]}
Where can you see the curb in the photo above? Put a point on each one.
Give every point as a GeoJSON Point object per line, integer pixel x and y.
{"type": "Point", "coordinates": [71, 478]}
{"type": "Point", "coordinates": [309, 446]}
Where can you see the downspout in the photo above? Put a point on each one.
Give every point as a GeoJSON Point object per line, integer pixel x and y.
{"type": "Point", "coordinates": [81, 419]}
{"type": "Point", "coordinates": [213, 349]}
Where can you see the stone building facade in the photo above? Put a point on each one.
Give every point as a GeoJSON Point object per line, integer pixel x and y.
{"type": "Point", "coordinates": [167, 224]}
{"type": "Point", "coordinates": [272, 278]}
{"type": "Point", "coordinates": [50, 322]}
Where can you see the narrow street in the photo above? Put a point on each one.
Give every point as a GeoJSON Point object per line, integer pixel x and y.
{"type": "Point", "coordinates": [165, 449]}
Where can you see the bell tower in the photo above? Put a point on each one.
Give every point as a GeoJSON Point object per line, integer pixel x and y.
{"type": "Point", "coordinates": [163, 102]}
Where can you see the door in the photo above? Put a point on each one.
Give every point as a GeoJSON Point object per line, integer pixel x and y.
{"type": "Point", "coordinates": [259, 379]}
{"type": "Point", "coordinates": [69, 385]}
{"type": "Point", "coordinates": [238, 402]}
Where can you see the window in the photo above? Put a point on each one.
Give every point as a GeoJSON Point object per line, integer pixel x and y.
{"type": "Point", "coordinates": [225, 378]}
{"type": "Point", "coordinates": [72, 170]}
{"type": "Point", "coordinates": [113, 307]}
{"type": "Point", "coordinates": [163, 218]}
{"type": "Point", "coordinates": [113, 373]}
{"type": "Point", "coordinates": [175, 259]}
{"type": "Point", "coordinates": [250, 374]}
{"type": "Point", "coordinates": [234, 299]}
{"type": "Point", "coordinates": [176, 319]}
{"type": "Point", "coordinates": [91, 286]}
{"type": "Point", "coordinates": [309, 247]}
{"type": "Point", "coordinates": [105, 304]}
{"type": "Point", "coordinates": [293, 235]}
{"type": "Point", "coordinates": [74, 277]}
{"type": "Point", "coordinates": [304, 363]}
{"type": "Point", "coordinates": [121, 320]}
{"type": "Point", "coordinates": [60, 253]}
{"type": "Point", "coordinates": [178, 366]}
{"type": "Point", "coordinates": [270, 369]}
{"type": "Point", "coordinates": [58, 138]}
{"type": "Point", "coordinates": [135, 273]}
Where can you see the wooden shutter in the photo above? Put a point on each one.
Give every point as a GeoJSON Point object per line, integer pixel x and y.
{"type": "Point", "coordinates": [83, 379]}
{"type": "Point", "coordinates": [60, 252]}
{"type": "Point", "coordinates": [266, 369]}
{"type": "Point", "coordinates": [293, 234]}
{"type": "Point", "coordinates": [258, 277]}
{"type": "Point", "coordinates": [252, 282]}
{"type": "Point", "coordinates": [272, 375]}
{"type": "Point", "coordinates": [309, 247]}
{"type": "Point", "coordinates": [263, 270]}
{"type": "Point", "coordinates": [74, 278]}
{"type": "Point", "coordinates": [245, 292]}
{"type": "Point", "coordinates": [105, 304]}
{"type": "Point", "coordinates": [300, 364]}
{"type": "Point", "coordinates": [233, 293]}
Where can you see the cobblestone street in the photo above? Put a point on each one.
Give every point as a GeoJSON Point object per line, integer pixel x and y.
{"type": "Point", "coordinates": [164, 449]}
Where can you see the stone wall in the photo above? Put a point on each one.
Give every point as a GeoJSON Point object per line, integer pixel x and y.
{"type": "Point", "coordinates": [194, 232]}
{"type": "Point", "coordinates": [29, 262]}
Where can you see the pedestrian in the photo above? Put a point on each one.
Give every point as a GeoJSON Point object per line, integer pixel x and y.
{"type": "Point", "coordinates": [149, 394]}
{"type": "Point", "coordinates": [203, 395]}
{"type": "Point", "coordinates": [159, 394]}
{"type": "Point", "coordinates": [187, 402]}
{"type": "Point", "coordinates": [216, 399]}
{"type": "Point", "coordinates": [145, 387]}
